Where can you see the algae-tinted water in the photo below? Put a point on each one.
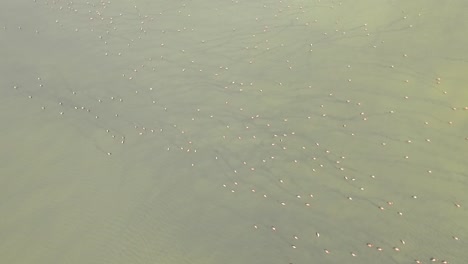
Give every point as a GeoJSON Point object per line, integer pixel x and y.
{"type": "Point", "coordinates": [233, 132]}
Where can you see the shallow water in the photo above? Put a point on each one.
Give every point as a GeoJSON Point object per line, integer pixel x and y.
{"type": "Point", "coordinates": [233, 132]}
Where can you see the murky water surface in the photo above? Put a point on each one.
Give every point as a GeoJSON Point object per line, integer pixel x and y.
{"type": "Point", "coordinates": [276, 132]}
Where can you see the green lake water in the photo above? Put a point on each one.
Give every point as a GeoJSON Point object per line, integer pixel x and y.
{"type": "Point", "coordinates": [253, 132]}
